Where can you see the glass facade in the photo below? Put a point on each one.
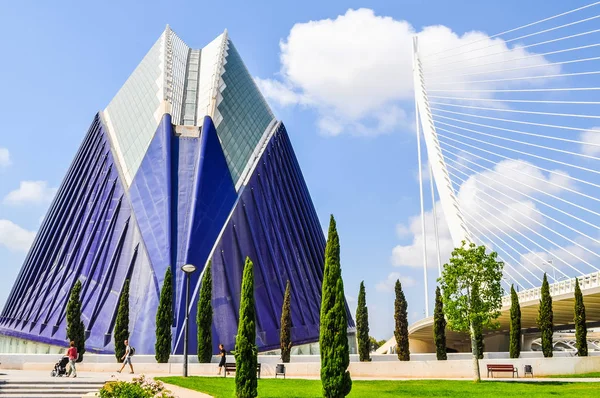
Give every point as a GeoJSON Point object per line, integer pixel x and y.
{"type": "Point", "coordinates": [132, 111]}
{"type": "Point", "coordinates": [245, 114]}
{"type": "Point", "coordinates": [191, 89]}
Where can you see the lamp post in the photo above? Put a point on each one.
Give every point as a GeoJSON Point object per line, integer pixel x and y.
{"type": "Point", "coordinates": [188, 269]}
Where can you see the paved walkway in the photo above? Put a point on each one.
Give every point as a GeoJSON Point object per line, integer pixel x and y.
{"type": "Point", "coordinates": [16, 376]}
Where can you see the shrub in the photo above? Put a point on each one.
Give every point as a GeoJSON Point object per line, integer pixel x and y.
{"type": "Point", "coordinates": [139, 387]}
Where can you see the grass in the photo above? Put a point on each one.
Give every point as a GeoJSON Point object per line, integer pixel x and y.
{"type": "Point", "coordinates": [220, 387]}
{"type": "Point", "coordinates": [577, 376]}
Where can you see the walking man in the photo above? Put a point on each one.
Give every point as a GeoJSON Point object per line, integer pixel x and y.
{"type": "Point", "coordinates": [127, 357]}
{"type": "Point", "coordinates": [72, 354]}
{"type": "Point", "coordinates": [223, 354]}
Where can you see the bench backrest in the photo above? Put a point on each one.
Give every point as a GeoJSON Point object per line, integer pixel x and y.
{"type": "Point", "coordinates": [231, 365]}
{"type": "Point", "coordinates": [500, 367]}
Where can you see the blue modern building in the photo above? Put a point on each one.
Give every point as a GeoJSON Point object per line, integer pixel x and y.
{"type": "Point", "coordinates": [186, 165]}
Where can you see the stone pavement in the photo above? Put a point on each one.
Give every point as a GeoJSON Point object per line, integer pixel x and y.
{"type": "Point", "coordinates": [39, 384]}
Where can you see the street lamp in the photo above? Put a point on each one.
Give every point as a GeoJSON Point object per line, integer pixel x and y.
{"type": "Point", "coordinates": [188, 269]}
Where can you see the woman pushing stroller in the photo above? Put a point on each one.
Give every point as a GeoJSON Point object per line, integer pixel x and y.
{"type": "Point", "coordinates": [72, 354]}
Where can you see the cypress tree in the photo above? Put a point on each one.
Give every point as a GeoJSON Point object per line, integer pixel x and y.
{"type": "Point", "coordinates": [580, 326]}
{"type": "Point", "coordinates": [401, 318]}
{"type": "Point", "coordinates": [333, 339]}
{"type": "Point", "coordinates": [75, 327]}
{"type": "Point", "coordinates": [285, 335]}
{"type": "Point", "coordinates": [121, 330]}
{"type": "Point", "coordinates": [246, 384]}
{"type": "Point", "coordinates": [164, 319]}
{"type": "Point", "coordinates": [545, 318]}
{"type": "Point", "coordinates": [362, 325]}
{"type": "Point", "coordinates": [439, 327]}
{"type": "Point", "coordinates": [204, 317]}
{"type": "Point", "coordinates": [515, 324]}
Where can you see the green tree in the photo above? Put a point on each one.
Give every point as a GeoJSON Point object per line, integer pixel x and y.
{"type": "Point", "coordinates": [545, 319]}
{"type": "Point", "coordinates": [373, 344]}
{"type": "Point", "coordinates": [515, 324]}
{"type": "Point", "coordinates": [333, 338]}
{"type": "Point", "coordinates": [362, 325]}
{"type": "Point", "coordinates": [439, 327]}
{"type": "Point", "coordinates": [285, 334]}
{"type": "Point", "coordinates": [204, 317]}
{"type": "Point", "coordinates": [164, 319]}
{"type": "Point", "coordinates": [246, 384]}
{"type": "Point", "coordinates": [121, 330]}
{"type": "Point", "coordinates": [75, 327]}
{"type": "Point", "coordinates": [401, 318]}
{"type": "Point", "coordinates": [580, 326]}
{"type": "Point", "coordinates": [471, 266]}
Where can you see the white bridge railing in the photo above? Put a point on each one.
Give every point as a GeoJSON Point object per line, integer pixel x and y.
{"type": "Point", "coordinates": [586, 282]}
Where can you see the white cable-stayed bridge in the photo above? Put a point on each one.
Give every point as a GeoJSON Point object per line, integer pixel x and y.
{"type": "Point", "coordinates": [508, 129]}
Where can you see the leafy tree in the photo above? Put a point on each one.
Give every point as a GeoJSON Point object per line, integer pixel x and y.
{"type": "Point", "coordinates": [164, 319]}
{"type": "Point", "coordinates": [204, 317]}
{"type": "Point", "coordinates": [546, 318]}
{"type": "Point", "coordinates": [285, 335]}
{"type": "Point", "coordinates": [333, 338]}
{"type": "Point", "coordinates": [121, 330]}
{"type": "Point", "coordinates": [362, 325]}
{"type": "Point", "coordinates": [374, 344]}
{"type": "Point", "coordinates": [75, 327]}
{"type": "Point", "coordinates": [471, 266]}
{"type": "Point", "coordinates": [580, 326]}
{"type": "Point", "coordinates": [439, 327]}
{"type": "Point", "coordinates": [401, 318]}
{"type": "Point", "coordinates": [246, 384]}
{"type": "Point", "coordinates": [515, 324]}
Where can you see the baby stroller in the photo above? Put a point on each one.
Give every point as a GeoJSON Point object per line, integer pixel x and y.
{"type": "Point", "coordinates": [60, 369]}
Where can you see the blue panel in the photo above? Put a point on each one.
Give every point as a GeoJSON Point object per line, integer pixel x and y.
{"type": "Point", "coordinates": [274, 224]}
{"type": "Point", "coordinates": [87, 235]}
{"type": "Point", "coordinates": [211, 203]}
{"type": "Point", "coordinates": [150, 195]}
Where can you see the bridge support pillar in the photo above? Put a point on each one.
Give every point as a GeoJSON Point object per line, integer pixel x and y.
{"type": "Point", "coordinates": [527, 340]}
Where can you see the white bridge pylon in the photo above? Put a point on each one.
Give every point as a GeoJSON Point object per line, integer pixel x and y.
{"type": "Point", "coordinates": [511, 126]}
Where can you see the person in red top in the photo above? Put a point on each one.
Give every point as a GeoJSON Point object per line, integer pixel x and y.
{"type": "Point", "coordinates": [72, 354]}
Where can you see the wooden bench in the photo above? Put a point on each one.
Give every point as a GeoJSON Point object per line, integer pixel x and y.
{"type": "Point", "coordinates": [230, 367]}
{"type": "Point", "coordinates": [491, 368]}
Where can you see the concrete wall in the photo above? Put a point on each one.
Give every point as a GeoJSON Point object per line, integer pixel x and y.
{"type": "Point", "coordinates": [382, 366]}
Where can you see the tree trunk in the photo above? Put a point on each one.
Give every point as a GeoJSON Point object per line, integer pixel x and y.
{"type": "Point", "coordinates": [476, 374]}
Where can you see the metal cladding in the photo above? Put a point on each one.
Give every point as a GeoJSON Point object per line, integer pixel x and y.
{"type": "Point", "coordinates": [181, 207]}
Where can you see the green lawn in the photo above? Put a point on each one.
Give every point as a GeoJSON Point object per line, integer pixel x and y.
{"type": "Point", "coordinates": [220, 387]}
{"type": "Point", "coordinates": [577, 376]}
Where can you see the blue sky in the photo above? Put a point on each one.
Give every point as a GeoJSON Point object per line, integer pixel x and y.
{"type": "Point", "coordinates": [64, 61]}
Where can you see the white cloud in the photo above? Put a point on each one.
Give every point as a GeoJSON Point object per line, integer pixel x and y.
{"type": "Point", "coordinates": [482, 202]}
{"type": "Point", "coordinates": [15, 237]}
{"type": "Point", "coordinates": [389, 283]}
{"type": "Point", "coordinates": [356, 69]}
{"type": "Point", "coordinates": [4, 158]}
{"type": "Point", "coordinates": [282, 93]}
{"type": "Point", "coordinates": [591, 139]}
{"type": "Point", "coordinates": [30, 192]}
